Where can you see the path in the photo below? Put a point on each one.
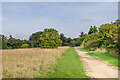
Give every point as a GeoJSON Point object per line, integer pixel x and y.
{"type": "Point", "coordinates": [96, 68]}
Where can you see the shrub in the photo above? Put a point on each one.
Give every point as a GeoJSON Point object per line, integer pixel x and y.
{"type": "Point", "coordinates": [112, 52]}
{"type": "Point", "coordinates": [9, 47]}
{"type": "Point", "coordinates": [24, 46]}
{"type": "Point", "coordinates": [91, 44]}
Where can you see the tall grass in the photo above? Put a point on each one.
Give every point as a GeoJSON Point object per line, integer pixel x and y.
{"type": "Point", "coordinates": [69, 66]}
{"type": "Point", "coordinates": [30, 63]}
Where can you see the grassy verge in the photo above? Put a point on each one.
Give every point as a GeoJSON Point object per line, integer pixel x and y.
{"type": "Point", "coordinates": [111, 59]}
{"type": "Point", "coordinates": [69, 66]}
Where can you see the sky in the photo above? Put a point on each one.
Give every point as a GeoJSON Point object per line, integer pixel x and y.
{"type": "Point", "coordinates": [21, 19]}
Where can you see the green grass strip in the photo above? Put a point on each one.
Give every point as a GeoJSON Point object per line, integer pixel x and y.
{"type": "Point", "coordinates": [104, 56]}
{"type": "Point", "coordinates": [69, 66]}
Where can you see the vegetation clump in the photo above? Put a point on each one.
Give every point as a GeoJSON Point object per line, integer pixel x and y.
{"type": "Point", "coordinates": [24, 46]}
{"type": "Point", "coordinates": [50, 39]}
{"type": "Point", "coordinates": [105, 38]}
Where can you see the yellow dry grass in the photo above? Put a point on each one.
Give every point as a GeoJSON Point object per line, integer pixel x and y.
{"type": "Point", "coordinates": [100, 50]}
{"type": "Point", "coordinates": [30, 63]}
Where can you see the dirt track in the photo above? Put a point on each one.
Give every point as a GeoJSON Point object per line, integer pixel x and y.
{"type": "Point", "coordinates": [96, 68]}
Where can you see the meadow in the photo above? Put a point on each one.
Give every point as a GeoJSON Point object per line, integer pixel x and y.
{"type": "Point", "coordinates": [30, 62]}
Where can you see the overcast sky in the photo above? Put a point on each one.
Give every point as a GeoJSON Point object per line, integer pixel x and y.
{"type": "Point", "coordinates": [21, 19]}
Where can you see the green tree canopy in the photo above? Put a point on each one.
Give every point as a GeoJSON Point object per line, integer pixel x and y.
{"type": "Point", "coordinates": [35, 36]}
{"type": "Point", "coordinates": [3, 44]}
{"type": "Point", "coordinates": [107, 36]}
{"type": "Point", "coordinates": [92, 30]}
{"type": "Point", "coordinates": [50, 39]}
{"type": "Point", "coordinates": [24, 46]}
{"type": "Point", "coordinates": [35, 39]}
{"type": "Point", "coordinates": [64, 40]}
{"type": "Point", "coordinates": [82, 34]}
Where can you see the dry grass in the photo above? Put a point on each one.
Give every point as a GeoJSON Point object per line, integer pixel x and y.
{"type": "Point", "coordinates": [30, 63]}
{"type": "Point", "coordinates": [100, 50]}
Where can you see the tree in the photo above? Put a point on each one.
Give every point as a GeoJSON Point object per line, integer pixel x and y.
{"type": "Point", "coordinates": [82, 34]}
{"type": "Point", "coordinates": [3, 44]}
{"type": "Point", "coordinates": [64, 40]}
{"type": "Point", "coordinates": [92, 30]}
{"type": "Point", "coordinates": [35, 36]}
{"type": "Point", "coordinates": [82, 37]}
{"type": "Point", "coordinates": [35, 39]}
{"type": "Point", "coordinates": [13, 43]}
{"type": "Point", "coordinates": [50, 39]}
{"type": "Point", "coordinates": [105, 37]}
{"type": "Point", "coordinates": [95, 29]}
{"type": "Point", "coordinates": [10, 37]}
{"type": "Point", "coordinates": [77, 41]}
{"type": "Point", "coordinates": [71, 42]}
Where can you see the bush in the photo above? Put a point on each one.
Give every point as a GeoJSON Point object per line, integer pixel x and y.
{"type": "Point", "coordinates": [91, 44]}
{"type": "Point", "coordinates": [24, 46]}
{"type": "Point", "coordinates": [9, 47]}
{"type": "Point", "coordinates": [112, 52]}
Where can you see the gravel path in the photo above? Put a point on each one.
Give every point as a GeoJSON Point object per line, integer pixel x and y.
{"type": "Point", "coordinates": [96, 68]}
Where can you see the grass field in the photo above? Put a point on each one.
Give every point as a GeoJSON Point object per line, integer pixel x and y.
{"type": "Point", "coordinates": [69, 66]}
{"type": "Point", "coordinates": [111, 59]}
{"type": "Point", "coordinates": [30, 63]}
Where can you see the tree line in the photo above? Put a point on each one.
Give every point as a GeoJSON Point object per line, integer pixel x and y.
{"type": "Point", "coordinates": [49, 38]}
{"type": "Point", "coordinates": [106, 36]}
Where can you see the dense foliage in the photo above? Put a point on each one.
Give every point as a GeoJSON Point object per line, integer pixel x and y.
{"type": "Point", "coordinates": [106, 37]}
{"type": "Point", "coordinates": [72, 42]}
{"type": "Point", "coordinates": [24, 46]}
{"type": "Point", "coordinates": [92, 30]}
{"type": "Point", "coordinates": [35, 39]}
{"type": "Point", "coordinates": [49, 38]}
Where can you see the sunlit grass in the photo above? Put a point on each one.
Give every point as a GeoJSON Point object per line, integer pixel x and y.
{"type": "Point", "coordinates": [102, 55]}
{"type": "Point", "coordinates": [30, 63]}
{"type": "Point", "coordinates": [69, 66]}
